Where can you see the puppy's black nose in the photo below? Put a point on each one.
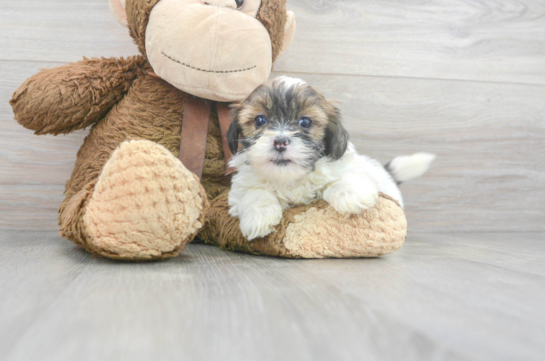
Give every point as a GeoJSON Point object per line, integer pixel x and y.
{"type": "Point", "coordinates": [281, 143]}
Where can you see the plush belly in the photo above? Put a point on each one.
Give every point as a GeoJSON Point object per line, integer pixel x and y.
{"type": "Point", "coordinates": [151, 110]}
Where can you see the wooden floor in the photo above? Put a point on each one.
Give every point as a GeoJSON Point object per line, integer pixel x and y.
{"type": "Point", "coordinates": [462, 79]}
{"type": "Point", "coordinates": [442, 297]}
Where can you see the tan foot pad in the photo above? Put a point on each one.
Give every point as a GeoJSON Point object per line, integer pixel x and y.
{"type": "Point", "coordinates": [146, 204]}
{"type": "Point", "coordinates": [321, 232]}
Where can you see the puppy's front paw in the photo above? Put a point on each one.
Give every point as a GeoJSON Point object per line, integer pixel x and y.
{"type": "Point", "coordinates": [257, 223]}
{"type": "Point", "coordinates": [349, 198]}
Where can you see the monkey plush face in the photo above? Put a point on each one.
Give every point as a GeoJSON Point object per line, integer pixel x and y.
{"type": "Point", "coordinates": [215, 49]}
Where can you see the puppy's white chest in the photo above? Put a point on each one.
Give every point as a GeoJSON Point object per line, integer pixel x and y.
{"type": "Point", "coordinates": [311, 187]}
{"type": "Point", "coordinates": [299, 194]}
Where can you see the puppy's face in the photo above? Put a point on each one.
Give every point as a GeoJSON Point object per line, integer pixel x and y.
{"type": "Point", "coordinates": [284, 127]}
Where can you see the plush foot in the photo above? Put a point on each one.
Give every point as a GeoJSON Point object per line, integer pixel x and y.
{"type": "Point", "coordinates": [146, 204]}
{"type": "Point", "coordinates": [316, 230]}
{"type": "Point", "coordinates": [320, 231]}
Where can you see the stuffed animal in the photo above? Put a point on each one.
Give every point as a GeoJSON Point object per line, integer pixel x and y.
{"type": "Point", "coordinates": [130, 197]}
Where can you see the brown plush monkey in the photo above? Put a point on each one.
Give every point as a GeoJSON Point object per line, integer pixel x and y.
{"type": "Point", "coordinates": [129, 196]}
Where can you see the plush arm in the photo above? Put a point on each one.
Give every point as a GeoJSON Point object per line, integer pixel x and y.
{"type": "Point", "coordinates": [74, 96]}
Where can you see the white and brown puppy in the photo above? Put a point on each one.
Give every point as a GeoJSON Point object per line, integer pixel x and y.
{"type": "Point", "coordinates": [291, 148]}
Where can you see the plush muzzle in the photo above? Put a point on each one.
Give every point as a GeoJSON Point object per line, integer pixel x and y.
{"type": "Point", "coordinates": [212, 52]}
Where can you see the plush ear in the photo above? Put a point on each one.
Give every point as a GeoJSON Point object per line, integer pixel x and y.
{"type": "Point", "coordinates": [118, 10]}
{"type": "Point", "coordinates": [336, 136]}
{"type": "Point", "coordinates": [232, 136]}
{"type": "Point", "coordinates": [289, 31]}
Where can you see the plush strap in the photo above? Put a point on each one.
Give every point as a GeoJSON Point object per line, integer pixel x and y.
{"type": "Point", "coordinates": [224, 116]}
{"type": "Point", "coordinates": [194, 132]}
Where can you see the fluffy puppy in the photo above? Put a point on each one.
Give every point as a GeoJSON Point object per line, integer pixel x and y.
{"type": "Point", "coordinates": [290, 148]}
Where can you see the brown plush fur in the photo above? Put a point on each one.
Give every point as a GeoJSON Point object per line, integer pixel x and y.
{"type": "Point", "coordinates": [123, 102]}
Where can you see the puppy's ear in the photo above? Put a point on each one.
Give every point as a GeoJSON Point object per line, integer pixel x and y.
{"type": "Point", "coordinates": [232, 135]}
{"type": "Point", "coordinates": [336, 137]}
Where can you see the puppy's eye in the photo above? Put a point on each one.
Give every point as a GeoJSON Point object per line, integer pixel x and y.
{"type": "Point", "coordinates": [260, 121]}
{"type": "Point", "coordinates": [240, 4]}
{"type": "Point", "coordinates": [305, 123]}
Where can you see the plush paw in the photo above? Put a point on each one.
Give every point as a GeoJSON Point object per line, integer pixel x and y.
{"type": "Point", "coordinates": [350, 197]}
{"type": "Point", "coordinates": [259, 222]}
{"type": "Point", "coordinates": [146, 204]}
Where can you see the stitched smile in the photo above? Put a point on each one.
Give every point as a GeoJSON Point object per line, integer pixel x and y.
{"type": "Point", "coordinates": [207, 71]}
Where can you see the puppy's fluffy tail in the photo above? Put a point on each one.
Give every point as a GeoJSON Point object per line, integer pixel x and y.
{"type": "Point", "coordinates": [408, 167]}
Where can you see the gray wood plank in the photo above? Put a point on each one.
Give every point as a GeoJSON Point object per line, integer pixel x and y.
{"type": "Point", "coordinates": [30, 206]}
{"type": "Point", "coordinates": [487, 40]}
{"type": "Point", "coordinates": [38, 267]}
{"type": "Point", "coordinates": [441, 297]}
{"type": "Point", "coordinates": [61, 31]}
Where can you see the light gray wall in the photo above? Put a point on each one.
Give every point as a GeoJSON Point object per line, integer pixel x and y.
{"type": "Point", "coordinates": [462, 79]}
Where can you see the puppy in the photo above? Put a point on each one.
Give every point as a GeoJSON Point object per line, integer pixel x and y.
{"type": "Point", "coordinates": [290, 148]}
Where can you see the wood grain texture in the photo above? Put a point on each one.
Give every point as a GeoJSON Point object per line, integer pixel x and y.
{"type": "Point", "coordinates": [488, 40]}
{"type": "Point", "coordinates": [488, 132]}
{"type": "Point", "coordinates": [485, 40]}
{"type": "Point", "coordinates": [442, 297]}
{"type": "Point", "coordinates": [61, 31]}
